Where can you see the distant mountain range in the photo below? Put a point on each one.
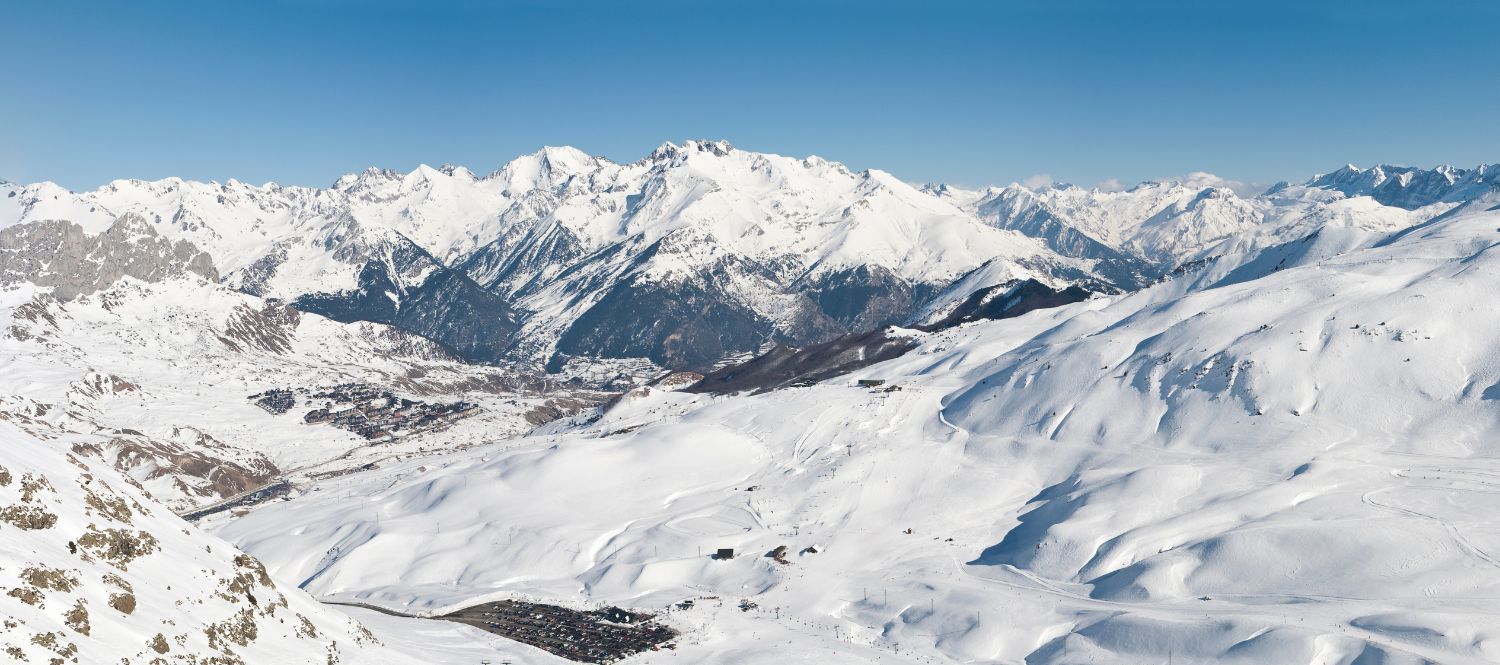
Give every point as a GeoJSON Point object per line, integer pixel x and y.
{"type": "Point", "coordinates": [695, 254]}
{"type": "Point", "coordinates": [1207, 411]}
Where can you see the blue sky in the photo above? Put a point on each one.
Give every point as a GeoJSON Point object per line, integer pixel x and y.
{"type": "Point", "coordinates": [300, 91]}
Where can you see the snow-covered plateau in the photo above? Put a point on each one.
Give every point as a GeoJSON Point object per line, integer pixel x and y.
{"type": "Point", "coordinates": [1258, 428]}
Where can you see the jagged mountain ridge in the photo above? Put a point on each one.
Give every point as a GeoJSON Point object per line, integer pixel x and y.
{"type": "Point", "coordinates": [1157, 225]}
{"type": "Point", "coordinates": [558, 257]}
{"type": "Point", "coordinates": [1409, 187]}
{"type": "Point", "coordinates": [568, 241]}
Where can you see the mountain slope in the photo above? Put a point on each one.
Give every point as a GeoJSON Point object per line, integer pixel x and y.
{"type": "Point", "coordinates": [121, 346]}
{"type": "Point", "coordinates": [770, 249]}
{"type": "Point", "coordinates": [1305, 454]}
{"type": "Point", "coordinates": [1143, 232]}
{"type": "Point", "coordinates": [548, 257]}
{"type": "Point", "coordinates": [96, 572]}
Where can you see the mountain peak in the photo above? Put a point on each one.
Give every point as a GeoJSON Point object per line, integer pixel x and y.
{"type": "Point", "coordinates": [671, 151]}
{"type": "Point", "coordinates": [549, 165]}
{"type": "Point", "coordinates": [563, 156]}
{"type": "Point", "coordinates": [425, 172]}
{"type": "Point", "coordinates": [368, 175]}
{"type": "Point", "coordinates": [719, 147]}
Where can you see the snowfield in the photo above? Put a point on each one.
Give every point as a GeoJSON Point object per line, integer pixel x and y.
{"type": "Point", "coordinates": [1282, 456]}
{"type": "Point", "coordinates": [1272, 443]}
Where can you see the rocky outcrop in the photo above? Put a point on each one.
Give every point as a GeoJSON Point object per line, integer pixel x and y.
{"type": "Point", "coordinates": [200, 467]}
{"type": "Point", "coordinates": [1008, 300]}
{"type": "Point", "coordinates": [785, 366]}
{"type": "Point", "coordinates": [61, 255]}
{"type": "Point", "coordinates": [268, 329]}
{"type": "Point", "coordinates": [409, 290]}
{"type": "Point", "coordinates": [111, 576]}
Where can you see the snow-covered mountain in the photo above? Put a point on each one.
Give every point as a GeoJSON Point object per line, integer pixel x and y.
{"type": "Point", "coordinates": [1221, 454]}
{"type": "Point", "coordinates": [701, 250]}
{"type": "Point", "coordinates": [1157, 222]}
{"type": "Point", "coordinates": [559, 255]}
{"type": "Point", "coordinates": [586, 257]}
{"type": "Point", "coordinates": [1410, 187]}
{"type": "Point", "coordinates": [1142, 232]}
{"type": "Point", "coordinates": [123, 346]}
{"type": "Point", "coordinates": [95, 571]}
{"type": "Point", "coordinates": [1287, 467]}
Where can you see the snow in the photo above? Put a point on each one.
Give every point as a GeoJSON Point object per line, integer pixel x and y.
{"type": "Point", "coordinates": [1280, 453]}
{"type": "Point", "coordinates": [1286, 468]}
{"type": "Point", "coordinates": [755, 204]}
{"type": "Point", "coordinates": [168, 341]}
{"type": "Point", "coordinates": [180, 582]}
{"type": "Point", "coordinates": [1177, 220]}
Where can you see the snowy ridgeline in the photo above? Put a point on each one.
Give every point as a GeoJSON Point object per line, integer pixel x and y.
{"type": "Point", "coordinates": [1277, 453]}
{"type": "Point", "coordinates": [559, 255]}
{"type": "Point", "coordinates": [1282, 458]}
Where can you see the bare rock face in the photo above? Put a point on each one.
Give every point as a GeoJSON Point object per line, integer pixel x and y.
{"type": "Point", "coordinates": [61, 255]}
{"type": "Point", "coordinates": [444, 306]}
{"type": "Point", "coordinates": [268, 329]}
{"type": "Point", "coordinates": [202, 469]}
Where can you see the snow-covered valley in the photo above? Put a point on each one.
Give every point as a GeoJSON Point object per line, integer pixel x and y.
{"type": "Point", "coordinates": [1264, 436]}
{"type": "Point", "coordinates": [1287, 469]}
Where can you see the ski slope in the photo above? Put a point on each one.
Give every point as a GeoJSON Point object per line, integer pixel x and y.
{"type": "Point", "coordinates": [1286, 466]}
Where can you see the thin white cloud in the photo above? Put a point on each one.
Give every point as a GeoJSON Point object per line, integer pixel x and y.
{"type": "Point", "coordinates": [1204, 179]}
{"type": "Point", "coordinates": [1110, 185]}
{"type": "Point", "coordinates": [1038, 181]}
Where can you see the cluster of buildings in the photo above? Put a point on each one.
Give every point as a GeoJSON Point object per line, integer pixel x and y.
{"type": "Point", "coordinates": [374, 413]}
{"type": "Point", "coordinates": [369, 411]}
{"type": "Point", "coordinates": [276, 401]}
{"type": "Point", "coordinates": [599, 636]}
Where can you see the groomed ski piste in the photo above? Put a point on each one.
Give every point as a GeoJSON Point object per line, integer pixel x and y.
{"type": "Point", "coordinates": [1288, 456]}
